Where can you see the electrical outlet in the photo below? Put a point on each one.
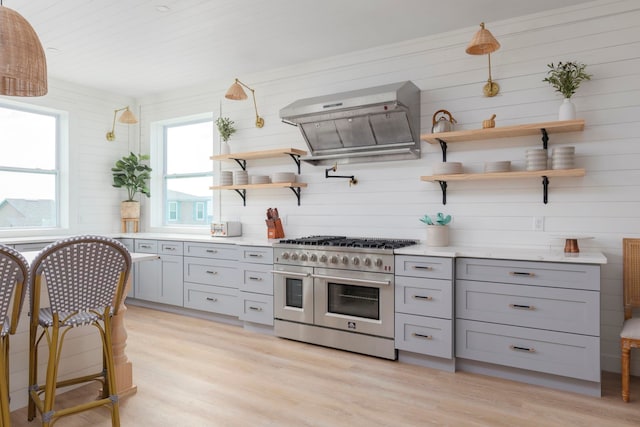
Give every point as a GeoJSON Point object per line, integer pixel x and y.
{"type": "Point", "coordinates": [538, 223]}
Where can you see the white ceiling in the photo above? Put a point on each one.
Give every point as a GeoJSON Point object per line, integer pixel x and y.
{"type": "Point", "coordinates": [131, 48]}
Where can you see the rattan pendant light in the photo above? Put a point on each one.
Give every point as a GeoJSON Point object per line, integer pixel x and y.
{"type": "Point", "coordinates": [23, 65]}
{"type": "Point", "coordinates": [482, 43]}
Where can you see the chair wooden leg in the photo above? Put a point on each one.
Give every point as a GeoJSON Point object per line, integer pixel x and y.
{"type": "Point", "coordinates": [4, 382]}
{"type": "Point", "coordinates": [110, 380]}
{"type": "Point", "coordinates": [51, 379]}
{"type": "Point", "coordinates": [626, 351]}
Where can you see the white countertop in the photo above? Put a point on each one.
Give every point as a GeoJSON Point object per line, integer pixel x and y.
{"type": "Point", "coordinates": [553, 255]}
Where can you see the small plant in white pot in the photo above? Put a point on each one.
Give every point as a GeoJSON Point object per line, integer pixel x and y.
{"type": "Point", "coordinates": [437, 229]}
{"type": "Point", "coordinates": [566, 77]}
{"type": "Point", "coordinates": [225, 129]}
{"type": "Point", "coordinates": [129, 172]}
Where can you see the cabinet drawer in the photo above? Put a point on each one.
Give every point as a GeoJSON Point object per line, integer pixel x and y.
{"type": "Point", "coordinates": [556, 309]}
{"type": "Point", "coordinates": [576, 356]}
{"type": "Point", "coordinates": [211, 250]}
{"type": "Point", "coordinates": [255, 254]}
{"type": "Point", "coordinates": [146, 246]}
{"type": "Point", "coordinates": [170, 248]}
{"type": "Point", "coordinates": [424, 335]}
{"type": "Point", "coordinates": [215, 299]}
{"type": "Point", "coordinates": [425, 297]}
{"type": "Point", "coordinates": [210, 272]}
{"type": "Point", "coordinates": [424, 266]}
{"type": "Point", "coordinates": [256, 308]}
{"type": "Point", "coordinates": [574, 276]}
{"type": "Point", "coordinates": [257, 278]}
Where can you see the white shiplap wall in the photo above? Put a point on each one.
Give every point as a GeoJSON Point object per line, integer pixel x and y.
{"type": "Point", "coordinates": [389, 197]}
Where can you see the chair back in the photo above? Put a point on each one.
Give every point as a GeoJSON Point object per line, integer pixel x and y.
{"type": "Point", "coordinates": [82, 273]}
{"type": "Point", "coordinates": [14, 274]}
{"type": "Point", "coordinates": [631, 275]}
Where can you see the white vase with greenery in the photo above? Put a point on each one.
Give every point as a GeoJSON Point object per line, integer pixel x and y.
{"type": "Point", "coordinates": [225, 129]}
{"type": "Point", "coordinates": [565, 77]}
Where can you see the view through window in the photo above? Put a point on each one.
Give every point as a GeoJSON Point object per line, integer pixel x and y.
{"type": "Point", "coordinates": [188, 173]}
{"type": "Point", "coordinates": [28, 168]}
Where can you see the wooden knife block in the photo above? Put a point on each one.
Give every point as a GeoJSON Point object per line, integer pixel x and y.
{"type": "Point", "coordinates": [274, 229]}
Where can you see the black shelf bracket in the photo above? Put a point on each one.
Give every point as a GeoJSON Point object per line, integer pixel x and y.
{"type": "Point", "coordinates": [545, 189]}
{"type": "Point", "coordinates": [243, 194]}
{"type": "Point", "coordinates": [297, 192]}
{"type": "Point", "coordinates": [545, 138]}
{"type": "Point", "coordinates": [242, 163]}
{"type": "Point", "coordinates": [296, 158]}
{"type": "Point", "coordinates": [443, 147]}
{"type": "Point", "coordinates": [443, 187]}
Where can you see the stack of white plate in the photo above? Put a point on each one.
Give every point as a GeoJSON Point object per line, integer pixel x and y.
{"type": "Point", "coordinates": [501, 166]}
{"type": "Point", "coordinates": [563, 157]}
{"type": "Point", "coordinates": [283, 177]}
{"type": "Point", "coordinates": [259, 179]}
{"type": "Point", "coordinates": [536, 159]}
{"type": "Point", "coordinates": [240, 177]}
{"type": "Point", "coordinates": [447, 168]}
{"type": "Point", "coordinates": [226, 178]}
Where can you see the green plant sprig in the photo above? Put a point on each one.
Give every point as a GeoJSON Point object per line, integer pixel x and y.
{"type": "Point", "coordinates": [225, 128]}
{"type": "Point", "coordinates": [439, 220]}
{"type": "Point", "coordinates": [128, 172]}
{"type": "Point", "coordinates": [565, 77]}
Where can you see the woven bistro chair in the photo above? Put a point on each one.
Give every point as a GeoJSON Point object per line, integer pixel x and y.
{"type": "Point", "coordinates": [14, 273]}
{"type": "Point", "coordinates": [85, 278]}
{"type": "Point", "coordinates": [630, 335]}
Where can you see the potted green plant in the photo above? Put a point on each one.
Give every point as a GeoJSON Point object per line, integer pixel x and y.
{"type": "Point", "coordinates": [437, 230]}
{"type": "Point", "coordinates": [129, 172]}
{"type": "Point", "coordinates": [566, 77]}
{"type": "Point", "coordinates": [225, 129]}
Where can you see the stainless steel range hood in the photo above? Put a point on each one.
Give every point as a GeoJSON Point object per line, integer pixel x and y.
{"type": "Point", "coordinates": [375, 124]}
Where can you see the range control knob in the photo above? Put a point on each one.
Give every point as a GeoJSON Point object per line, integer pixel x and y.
{"type": "Point", "coordinates": [313, 258]}
{"type": "Point", "coordinates": [303, 257]}
{"type": "Point", "coordinates": [334, 260]}
{"type": "Point", "coordinates": [355, 260]}
{"type": "Point", "coordinates": [345, 259]}
{"type": "Point", "coordinates": [367, 262]}
{"type": "Point", "coordinates": [294, 256]}
{"type": "Point", "coordinates": [285, 255]}
{"type": "Point", "coordinates": [378, 262]}
{"type": "Point", "coordinates": [323, 258]}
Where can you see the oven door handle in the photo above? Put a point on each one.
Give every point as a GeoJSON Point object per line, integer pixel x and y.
{"type": "Point", "coordinates": [349, 279]}
{"type": "Point", "coordinates": [290, 273]}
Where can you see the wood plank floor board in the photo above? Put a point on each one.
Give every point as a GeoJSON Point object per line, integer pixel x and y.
{"type": "Point", "coordinates": [196, 373]}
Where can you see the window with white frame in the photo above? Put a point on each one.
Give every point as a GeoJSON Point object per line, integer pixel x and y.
{"type": "Point", "coordinates": [29, 170]}
{"type": "Point", "coordinates": [187, 147]}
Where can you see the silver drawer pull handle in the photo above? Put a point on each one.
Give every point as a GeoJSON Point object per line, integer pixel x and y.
{"type": "Point", "coordinates": [211, 251]}
{"type": "Point", "coordinates": [255, 255]}
{"type": "Point", "coordinates": [521, 273]}
{"type": "Point", "coordinates": [145, 246]}
{"type": "Point", "coordinates": [426, 337]}
{"type": "Point", "coordinates": [522, 307]}
{"type": "Point", "coordinates": [290, 273]}
{"type": "Point", "coordinates": [422, 267]}
{"type": "Point", "coordinates": [212, 299]}
{"type": "Point", "coordinates": [422, 297]}
{"type": "Point", "coordinates": [211, 272]}
{"type": "Point", "coordinates": [257, 279]}
{"type": "Point", "coordinates": [255, 308]}
{"type": "Point", "coordinates": [526, 349]}
{"type": "Point", "coordinates": [169, 248]}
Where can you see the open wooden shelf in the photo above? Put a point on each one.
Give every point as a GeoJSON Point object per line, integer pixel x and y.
{"type": "Point", "coordinates": [254, 186]}
{"type": "Point", "coordinates": [504, 132]}
{"type": "Point", "coordinates": [265, 154]}
{"type": "Point", "coordinates": [504, 175]}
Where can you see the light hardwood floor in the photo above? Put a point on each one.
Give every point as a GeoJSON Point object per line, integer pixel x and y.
{"type": "Point", "coordinates": [192, 372]}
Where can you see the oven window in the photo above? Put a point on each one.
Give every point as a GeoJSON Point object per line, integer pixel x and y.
{"type": "Point", "coordinates": [293, 293]}
{"type": "Point", "coordinates": [357, 301]}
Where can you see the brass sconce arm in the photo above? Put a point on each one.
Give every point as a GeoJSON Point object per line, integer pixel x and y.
{"type": "Point", "coordinates": [127, 117]}
{"type": "Point", "coordinates": [236, 93]}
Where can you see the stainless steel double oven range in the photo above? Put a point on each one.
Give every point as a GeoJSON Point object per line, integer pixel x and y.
{"type": "Point", "coordinates": [337, 292]}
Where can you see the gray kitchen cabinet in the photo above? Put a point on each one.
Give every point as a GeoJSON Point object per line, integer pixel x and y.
{"type": "Point", "coordinates": [211, 278]}
{"type": "Point", "coordinates": [160, 280]}
{"type": "Point", "coordinates": [424, 306]}
{"type": "Point", "coordinates": [542, 318]}
{"type": "Point", "coordinates": [256, 284]}
{"type": "Point", "coordinates": [129, 244]}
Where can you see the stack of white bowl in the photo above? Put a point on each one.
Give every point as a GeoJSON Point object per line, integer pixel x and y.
{"type": "Point", "coordinates": [500, 166]}
{"type": "Point", "coordinates": [563, 157]}
{"type": "Point", "coordinates": [240, 177]}
{"type": "Point", "coordinates": [283, 177]}
{"type": "Point", "coordinates": [226, 178]}
{"type": "Point", "coordinates": [259, 179]}
{"type": "Point", "coordinates": [536, 159]}
{"type": "Point", "coordinates": [447, 168]}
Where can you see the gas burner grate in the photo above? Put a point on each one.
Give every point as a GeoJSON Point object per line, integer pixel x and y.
{"type": "Point", "coordinates": [351, 242]}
